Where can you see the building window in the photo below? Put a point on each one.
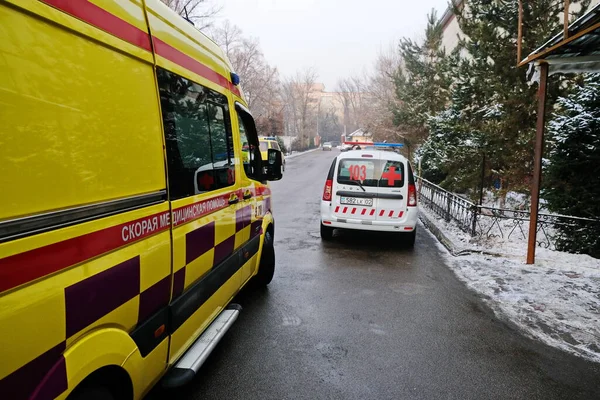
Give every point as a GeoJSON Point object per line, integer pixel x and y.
{"type": "Point", "coordinates": [198, 137]}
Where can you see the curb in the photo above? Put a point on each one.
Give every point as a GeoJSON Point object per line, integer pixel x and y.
{"type": "Point", "coordinates": [300, 154]}
{"type": "Point", "coordinates": [448, 244]}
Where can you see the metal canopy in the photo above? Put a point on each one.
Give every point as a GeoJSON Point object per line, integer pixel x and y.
{"type": "Point", "coordinates": [576, 49]}
{"type": "Point", "coordinates": [580, 48]}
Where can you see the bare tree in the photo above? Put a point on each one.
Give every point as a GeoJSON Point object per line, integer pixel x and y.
{"type": "Point", "coordinates": [227, 36]}
{"type": "Point", "coordinates": [259, 80]}
{"type": "Point", "coordinates": [380, 118]}
{"type": "Point", "coordinates": [353, 94]}
{"type": "Point", "coordinates": [200, 12]}
{"type": "Point", "coordinates": [301, 99]}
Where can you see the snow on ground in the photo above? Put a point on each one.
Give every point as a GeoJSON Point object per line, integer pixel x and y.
{"type": "Point", "coordinates": [557, 300]}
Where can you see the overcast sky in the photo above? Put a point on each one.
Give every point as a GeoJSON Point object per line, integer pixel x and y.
{"type": "Point", "coordinates": [338, 37]}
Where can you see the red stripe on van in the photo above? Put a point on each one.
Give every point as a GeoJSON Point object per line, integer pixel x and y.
{"type": "Point", "coordinates": [102, 19]}
{"type": "Point", "coordinates": [25, 267]}
{"type": "Point", "coordinates": [363, 211]}
{"type": "Point", "coordinates": [110, 23]}
{"type": "Point", "coordinates": [372, 212]}
{"type": "Point", "coordinates": [401, 214]}
{"type": "Point", "coordinates": [391, 213]}
{"type": "Point", "coordinates": [353, 210]}
{"type": "Point", "coordinates": [171, 53]}
{"type": "Point", "coordinates": [381, 213]}
{"type": "Point", "coordinates": [337, 208]}
{"type": "Point", "coordinates": [345, 209]}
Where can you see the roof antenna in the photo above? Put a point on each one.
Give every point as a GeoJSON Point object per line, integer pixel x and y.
{"type": "Point", "coordinates": [187, 17]}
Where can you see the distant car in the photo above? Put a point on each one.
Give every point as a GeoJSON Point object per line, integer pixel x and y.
{"type": "Point", "coordinates": [269, 142]}
{"type": "Point", "coordinates": [346, 147]}
{"type": "Point", "coordinates": [370, 190]}
{"type": "Point", "coordinates": [327, 146]}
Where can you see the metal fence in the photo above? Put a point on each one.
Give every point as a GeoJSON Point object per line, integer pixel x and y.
{"type": "Point", "coordinates": [554, 231]}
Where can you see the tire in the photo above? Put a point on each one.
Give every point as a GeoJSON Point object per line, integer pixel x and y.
{"type": "Point", "coordinates": [92, 393]}
{"type": "Point", "coordinates": [266, 269]}
{"type": "Point", "coordinates": [326, 232]}
{"type": "Point", "coordinates": [410, 238]}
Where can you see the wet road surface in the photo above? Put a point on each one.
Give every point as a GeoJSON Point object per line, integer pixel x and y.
{"type": "Point", "coordinates": [363, 317]}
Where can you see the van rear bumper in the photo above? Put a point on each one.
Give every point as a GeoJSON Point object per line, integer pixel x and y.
{"type": "Point", "coordinates": [405, 224]}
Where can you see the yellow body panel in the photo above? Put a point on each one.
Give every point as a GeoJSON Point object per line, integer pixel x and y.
{"type": "Point", "coordinates": [81, 125]}
{"type": "Point", "coordinates": [166, 26]}
{"type": "Point", "coordinates": [101, 100]}
{"type": "Point", "coordinates": [191, 329]}
{"type": "Point", "coordinates": [100, 348]}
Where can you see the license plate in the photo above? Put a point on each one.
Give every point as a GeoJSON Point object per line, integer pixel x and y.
{"type": "Point", "coordinates": [356, 201]}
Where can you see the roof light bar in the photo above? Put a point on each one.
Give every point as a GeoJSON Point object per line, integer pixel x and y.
{"type": "Point", "coordinates": [383, 144]}
{"type": "Point", "coordinates": [375, 144]}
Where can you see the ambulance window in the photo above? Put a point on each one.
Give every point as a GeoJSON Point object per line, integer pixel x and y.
{"type": "Point", "coordinates": [372, 173]}
{"type": "Point", "coordinates": [392, 174]}
{"type": "Point", "coordinates": [251, 148]}
{"type": "Point", "coordinates": [275, 145]}
{"type": "Point", "coordinates": [198, 137]}
{"type": "Point", "coordinates": [264, 146]}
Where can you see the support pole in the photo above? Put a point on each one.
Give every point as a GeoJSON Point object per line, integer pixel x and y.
{"type": "Point", "coordinates": [537, 163]}
{"type": "Point", "coordinates": [482, 179]}
{"type": "Point", "coordinates": [520, 32]}
{"type": "Point", "coordinates": [566, 20]}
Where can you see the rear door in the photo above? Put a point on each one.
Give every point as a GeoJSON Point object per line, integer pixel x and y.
{"type": "Point", "coordinates": [355, 188]}
{"type": "Point", "coordinates": [392, 190]}
{"type": "Point", "coordinates": [203, 193]}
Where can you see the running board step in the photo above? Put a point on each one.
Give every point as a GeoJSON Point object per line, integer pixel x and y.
{"type": "Point", "coordinates": [187, 366]}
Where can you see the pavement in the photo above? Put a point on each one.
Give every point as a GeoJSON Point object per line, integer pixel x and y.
{"type": "Point", "coordinates": [364, 317]}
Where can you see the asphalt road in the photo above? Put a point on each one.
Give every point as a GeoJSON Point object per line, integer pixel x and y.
{"type": "Point", "coordinates": [363, 317]}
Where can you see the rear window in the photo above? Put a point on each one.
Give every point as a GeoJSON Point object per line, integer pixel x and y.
{"type": "Point", "coordinates": [264, 146]}
{"type": "Point", "coordinates": [275, 145]}
{"type": "Point", "coordinates": [371, 173]}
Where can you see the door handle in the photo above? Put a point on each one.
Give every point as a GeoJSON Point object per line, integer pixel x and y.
{"type": "Point", "coordinates": [248, 196]}
{"type": "Point", "coordinates": [234, 201]}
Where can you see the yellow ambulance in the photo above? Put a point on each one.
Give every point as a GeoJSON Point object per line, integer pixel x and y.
{"type": "Point", "coordinates": [134, 202]}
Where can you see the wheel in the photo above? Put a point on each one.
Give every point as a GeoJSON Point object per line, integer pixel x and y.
{"type": "Point", "coordinates": [326, 232]}
{"type": "Point", "coordinates": [410, 238]}
{"type": "Point", "coordinates": [266, 269]}
{"type": "Point", "coordinates": [92, 393]}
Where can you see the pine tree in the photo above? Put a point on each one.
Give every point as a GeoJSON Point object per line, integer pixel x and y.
{"type": "Point", "coordinates": [494, 104]}
{"type": "Point", "coordinates": [572, 173]}
{"type": "Point", "coordinates": [422, 82]}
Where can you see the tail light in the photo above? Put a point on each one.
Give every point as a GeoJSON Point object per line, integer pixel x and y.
{"type": "Point", "coordinates": [327, 190]}
{"type": "Point", "coordinates": [412, 195]}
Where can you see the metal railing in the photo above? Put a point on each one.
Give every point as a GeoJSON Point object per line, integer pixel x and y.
{"type": "Point", "coordinates": [448, 205]}
{"type": "Point", "coordinates": [556, 232]}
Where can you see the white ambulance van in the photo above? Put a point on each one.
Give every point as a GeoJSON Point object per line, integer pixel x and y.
{"type": "Point", "coordinates": [371, 189]}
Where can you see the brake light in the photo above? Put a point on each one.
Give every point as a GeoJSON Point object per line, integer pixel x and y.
{"type": "Point", "coordinates": [327, 190]}
{"type": "Point", "coordinates": [412, 195]}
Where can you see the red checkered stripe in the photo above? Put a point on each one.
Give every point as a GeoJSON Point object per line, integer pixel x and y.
{"type": "Point", "coordinates": [361, 211]}
{"type": "Point", "coordinates": [94, 297]}
{"type": "Point", "coordinates": [203, 239]}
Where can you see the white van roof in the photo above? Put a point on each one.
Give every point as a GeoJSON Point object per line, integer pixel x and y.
{"type": "Point", "coordinates": [377, 154]}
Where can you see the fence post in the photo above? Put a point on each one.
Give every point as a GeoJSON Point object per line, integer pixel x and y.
{"type": "Point", "coordinates": [474, 227]}
{"type": "Point", "coordinates": [448, 207]}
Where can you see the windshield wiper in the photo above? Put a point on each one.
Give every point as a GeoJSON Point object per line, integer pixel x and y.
{"type": "Point", "coordinates": [358, 183]}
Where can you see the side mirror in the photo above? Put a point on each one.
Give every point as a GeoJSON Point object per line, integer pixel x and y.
{"type": "Point", "coordinates": [273, 165]}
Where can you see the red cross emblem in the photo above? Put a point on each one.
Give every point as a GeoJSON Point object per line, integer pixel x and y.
{"type": "Point", "coordinates": [392, 176]}
{"type": "Point", "coordinates": [206, 181]}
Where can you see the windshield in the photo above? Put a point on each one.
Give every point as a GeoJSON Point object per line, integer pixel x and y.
{"type": "Point", "coordinates": [371, 173]}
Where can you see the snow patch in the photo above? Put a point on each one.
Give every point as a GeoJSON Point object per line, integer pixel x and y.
{"type": "Point", "coordinates": [556, 301]}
